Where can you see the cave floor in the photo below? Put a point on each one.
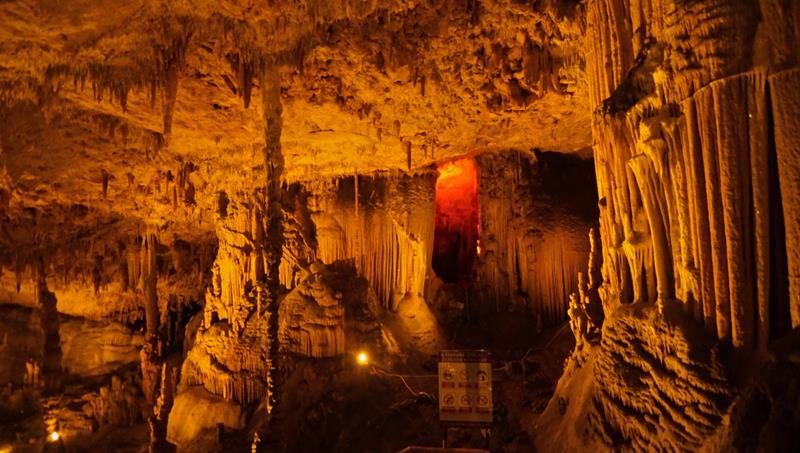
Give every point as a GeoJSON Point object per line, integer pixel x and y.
{"type": "Point", "coordinates": [338, 406]}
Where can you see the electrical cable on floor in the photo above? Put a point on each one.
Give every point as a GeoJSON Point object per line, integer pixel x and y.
{"type": "Point", "coordinates": [505, 367]}
{"type": "Point", "coordinates": [416, 394]}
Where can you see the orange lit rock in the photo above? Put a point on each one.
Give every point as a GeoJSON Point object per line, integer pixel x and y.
{"type": "Point", "coordinates": [195, 417]}
{"type": "Point", "coordinates": [162, 161]}
{"type": "Point", "coordinates": [311, 319]}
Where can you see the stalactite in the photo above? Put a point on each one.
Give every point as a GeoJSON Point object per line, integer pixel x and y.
{"type": "Point", "coordinates": [699, 213]}
{"type": "Point", "coordinates": [759, 172]}
{"type": "Point", "coordinates": [526, 263]}
{"type": "Point", "coordinates": [389, 242]}
{"type": "Point", "coordinates": [660, 247]}
{"type": "Point", "coordinates": [170, 94]}
{"type": "Point", "coordinates": [734, 161]}
{"type": "Point", "coordinates": [719, 258]}
{"type": "Point", "coordinates": [679, 189]}
{"type": "Point", "coordinates": [244, 72]}
{"type": "Point", "coordinates": [611, 55]}
{"type": "Point", "coordinates": [784, 87]}
{"type": "Point", "coordinates": [149, 279]}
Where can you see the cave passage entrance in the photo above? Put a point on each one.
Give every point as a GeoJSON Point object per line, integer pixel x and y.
{"type": "Point", "coordinates": [456, 238]}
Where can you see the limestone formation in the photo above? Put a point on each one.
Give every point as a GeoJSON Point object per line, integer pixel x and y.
{"type": "Point", "coordinates": [533, 241]}
{"type": "Point", "coordinates": [247, 224]}
{"type": "Point", "coordinates": [689, 150]}
{"type": "Point", "coordinates": [311, 319]}
{"type": "Point", "coordinates": [389, 239]}
{"type": "Point", "coordinates": [117, 404]}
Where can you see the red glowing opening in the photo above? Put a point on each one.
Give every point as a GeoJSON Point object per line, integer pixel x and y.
{"type": "Point", "coordinates": [456, 241]}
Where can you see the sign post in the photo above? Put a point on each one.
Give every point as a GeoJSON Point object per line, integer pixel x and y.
{"type": "Point", "coordinates": [465, 390]}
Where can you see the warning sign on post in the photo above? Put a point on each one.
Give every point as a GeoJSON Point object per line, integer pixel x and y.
{"type": "Point", "coordinates": [465, 387]}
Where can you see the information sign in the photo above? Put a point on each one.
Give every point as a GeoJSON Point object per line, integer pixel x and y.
{"type": "Point", "coordinates": [465, 387]}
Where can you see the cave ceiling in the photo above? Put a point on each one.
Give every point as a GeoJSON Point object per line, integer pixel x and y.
{"type": "Point", "coordinates": [144, 111]}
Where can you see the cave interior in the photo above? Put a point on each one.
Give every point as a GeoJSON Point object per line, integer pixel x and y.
{"type": "Point", "coordinates": [270, 226]}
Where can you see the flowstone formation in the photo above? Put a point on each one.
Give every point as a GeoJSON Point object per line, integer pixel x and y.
{"type": "Point", "coordinates": [646, 362]}
{"type": "Point", "coordinates": [533, 232]}
{"type": "Point", "coordinates": [230, 352]}
{"type": "Point", "coordinates": [311, 318]}
{"type": "Point", "coordinates": [691, 153]}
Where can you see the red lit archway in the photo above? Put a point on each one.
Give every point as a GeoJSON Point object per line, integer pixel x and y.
{"type": "Point", "coordinates": [457, 223]}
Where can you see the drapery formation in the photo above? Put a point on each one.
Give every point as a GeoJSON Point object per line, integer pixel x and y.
{"type": "Point", "coordinates": [533, 236]}
{"type": "Point", "coordinates": [683, 144]}
{"type": "Point", "coordinates": [388, 235]}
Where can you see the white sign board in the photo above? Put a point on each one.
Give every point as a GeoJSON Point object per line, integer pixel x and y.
{"type": "Point", "coordinates": [465, 387]}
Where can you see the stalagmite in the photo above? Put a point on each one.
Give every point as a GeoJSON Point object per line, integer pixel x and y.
{"type": "Point", "coordinates": [50, 373]}
{"type": "Point", "coordinates": [158, 420]}
{"type": "Point", "coordinates": [149, 281]}
{"type": "Point", "coordinates": [311, 319]}
{"type": "Point", "coordinates": [273, 167]}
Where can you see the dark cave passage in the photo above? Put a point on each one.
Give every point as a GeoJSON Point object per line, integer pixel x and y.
{"type": "Point", "coordinates": [456, 241]}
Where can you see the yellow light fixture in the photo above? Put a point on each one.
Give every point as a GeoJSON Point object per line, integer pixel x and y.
{"type": "Point", "coordinates": [362, 358]}
{"type": "Point", "coordinates": [54, 436]}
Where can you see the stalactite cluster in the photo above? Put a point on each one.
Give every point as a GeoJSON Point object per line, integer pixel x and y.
{"type": "Point", "coordinates": [684, 171]}
{"type": "Point", "coordinates": [231, 353]}
{"type": "Point", "coordinates": [531, 252]}
{"type": "Point", "coordinates": [389, 239]}
{"type": "Point", "coordinates": [694, 146]}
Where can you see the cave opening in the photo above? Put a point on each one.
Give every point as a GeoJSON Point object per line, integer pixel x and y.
{"type": "Point", "coordinates": [457, 230]}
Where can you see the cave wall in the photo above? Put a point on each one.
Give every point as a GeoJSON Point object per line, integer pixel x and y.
{"type": "Point", "coordinates": [534, 216]}
{"type": "Point", "coordinates": [695, 145]}
{"type": "Point", "coordinates": [535, 211]}
{"type": "Point", "coordinates": [685, 130]}
{"type": "Point", "coordinates": [384, 225]}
